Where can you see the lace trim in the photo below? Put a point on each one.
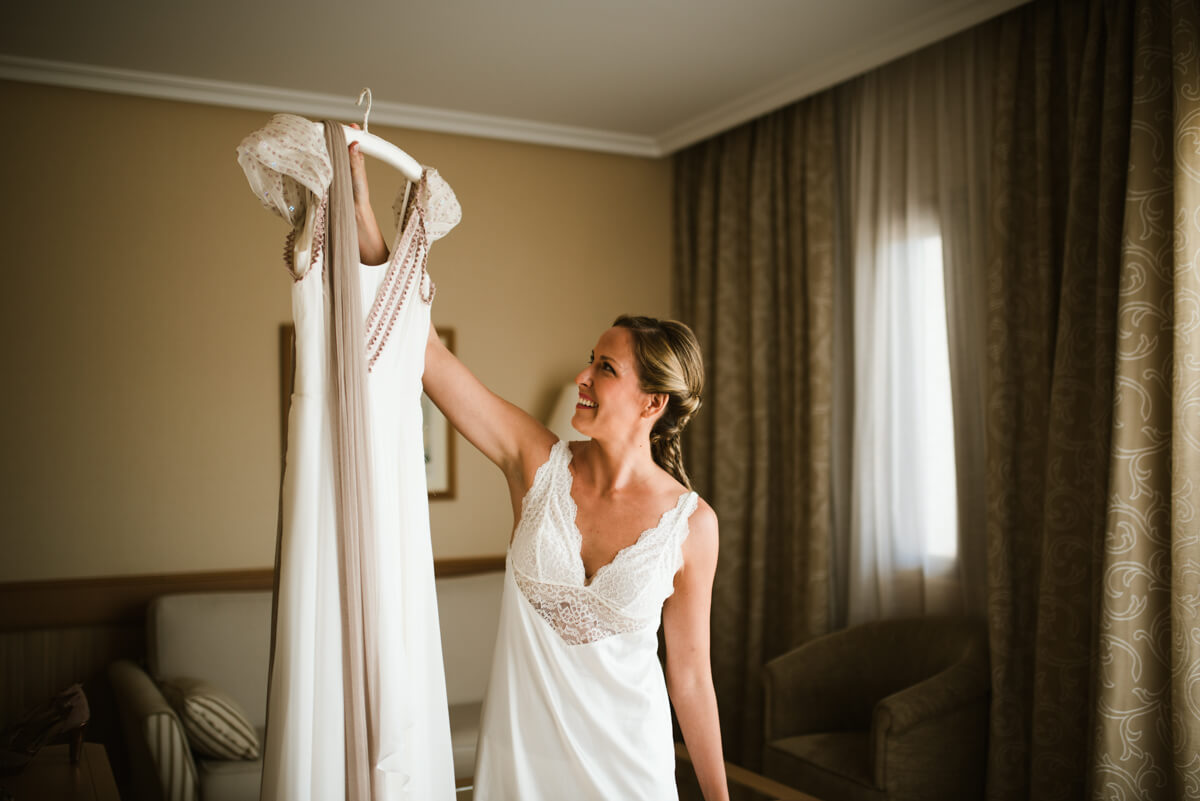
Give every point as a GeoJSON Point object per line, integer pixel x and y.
{"type": "Point", "coordinates": [575, 614]}
{"type": "Point", "coordinates": [624, 595]}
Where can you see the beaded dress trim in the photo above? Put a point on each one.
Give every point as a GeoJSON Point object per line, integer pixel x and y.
{"type": "Point", "coordinates": [288, 169]}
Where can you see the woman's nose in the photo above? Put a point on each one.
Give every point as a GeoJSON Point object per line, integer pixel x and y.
{"type": "Point", "coordinates": [583, 376]}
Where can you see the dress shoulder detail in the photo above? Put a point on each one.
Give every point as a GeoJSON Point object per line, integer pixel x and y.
{"type": "Point", "coordinates": [284, 161]}
{"type": "Point", "coordinates": [439, 206]}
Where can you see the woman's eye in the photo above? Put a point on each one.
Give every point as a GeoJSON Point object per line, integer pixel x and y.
{"type": "Point", "coordinates": [609, 368]}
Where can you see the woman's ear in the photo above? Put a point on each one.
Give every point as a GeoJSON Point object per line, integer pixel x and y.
{"type": "Point", "coordinates": [656, 404]}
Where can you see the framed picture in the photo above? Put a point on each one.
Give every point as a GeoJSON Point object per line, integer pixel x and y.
{"type": "Point", "coordinates": [438, 434]}
{"type": "Point", "coordinates": [439, 440]}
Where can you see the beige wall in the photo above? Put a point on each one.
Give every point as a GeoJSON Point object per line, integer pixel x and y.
{"type": "Point", "coordinates": [143, 291]}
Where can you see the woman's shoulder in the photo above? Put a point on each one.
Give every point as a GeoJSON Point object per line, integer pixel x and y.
{"type": "Point", "coordinates": [538, 451]}
{"type": "Point", "coordinates": [701, 543]}
{"type": "Point", "coordinates": [703, 518]}
{"type": "Point", "coordinates": [700, 513]}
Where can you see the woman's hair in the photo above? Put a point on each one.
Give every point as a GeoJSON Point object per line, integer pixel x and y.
{"type": "Point", "coordinates": [668, 363]}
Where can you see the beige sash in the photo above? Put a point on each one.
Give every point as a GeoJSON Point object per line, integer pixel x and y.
{"type": "Point", "coordinates": [352, 475]}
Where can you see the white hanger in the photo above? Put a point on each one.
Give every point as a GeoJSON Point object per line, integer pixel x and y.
{"type": "Point", "coordinates": [372, 145]}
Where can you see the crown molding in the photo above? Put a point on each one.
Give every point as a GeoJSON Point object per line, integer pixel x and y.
{"type": "Point", "coordinates": [915, 34]}
{"type": "Point", "coordinates": [314, 104]}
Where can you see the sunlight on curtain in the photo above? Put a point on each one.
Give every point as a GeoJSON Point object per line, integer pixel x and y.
{"type": "Point", "coordinates": [905, 514]}
{"type": "Point", "coordinates": [927, 358]}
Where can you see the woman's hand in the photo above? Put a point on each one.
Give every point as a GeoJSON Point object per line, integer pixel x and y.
{"type": "Point", "coordinates": [371, 247]}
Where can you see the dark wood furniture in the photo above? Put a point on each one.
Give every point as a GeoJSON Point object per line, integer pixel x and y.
{"type": "Point", "coordinates": [52, 777]}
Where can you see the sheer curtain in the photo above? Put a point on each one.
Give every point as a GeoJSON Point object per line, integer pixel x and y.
{"type": "Point", "coordinates": [913, 153]}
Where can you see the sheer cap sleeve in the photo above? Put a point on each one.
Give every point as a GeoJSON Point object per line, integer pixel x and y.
{"type": "Point", "coordinates": [284, 161]}
{"type": "Point", "coordinates": [438, 202]}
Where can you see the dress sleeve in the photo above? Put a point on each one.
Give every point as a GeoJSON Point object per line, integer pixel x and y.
{"type": "Point", "coordinates": [438, 202]}
{"type": "Point", "coordinates": [286, 163]}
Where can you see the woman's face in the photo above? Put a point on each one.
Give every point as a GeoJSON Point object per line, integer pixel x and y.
{"type": "Point", "coordinates": [611, 402]}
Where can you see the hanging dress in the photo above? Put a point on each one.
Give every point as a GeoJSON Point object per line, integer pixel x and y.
{"type": "Point", "coordinates": [577, 704]}
{"type": "Point", "coordinates": [288, 167]}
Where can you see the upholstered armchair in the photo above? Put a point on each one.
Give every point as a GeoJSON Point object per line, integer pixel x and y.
{"type": "Point", "coordinates": [894, 709]}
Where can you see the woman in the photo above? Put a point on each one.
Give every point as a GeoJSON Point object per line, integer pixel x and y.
{"type": "Point", "coordinates": [608, 538]}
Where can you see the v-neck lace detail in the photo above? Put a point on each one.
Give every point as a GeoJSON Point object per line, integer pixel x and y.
{"type": "Point", "coordinates": [573, 516]}
{"type": "Point", "coordinates": [624, 595]}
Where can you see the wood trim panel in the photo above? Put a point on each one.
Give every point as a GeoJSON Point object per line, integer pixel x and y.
{"type": "Point", "coordinates": [116, 600]}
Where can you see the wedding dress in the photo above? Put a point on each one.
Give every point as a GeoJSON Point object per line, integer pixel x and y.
{"type": "Point", "coordinates": [577, 704]}
{"type": "Point", "coordinates": [289, 169]}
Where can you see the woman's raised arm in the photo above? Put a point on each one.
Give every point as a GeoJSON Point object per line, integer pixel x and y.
{"type": "Point", "coordinates": [507, 435]}
{"type": "Point", "coordinates": [371, 247]}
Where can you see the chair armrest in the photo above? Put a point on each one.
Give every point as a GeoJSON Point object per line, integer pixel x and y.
{"type": "Point", "coordinates": [818, 687]}
{"type": "Point", "coordinates": [955, 687]}
{"type": "Point", "coordinates": [160, 758]}
{"type": "Point", "coordinates": [944, 713]}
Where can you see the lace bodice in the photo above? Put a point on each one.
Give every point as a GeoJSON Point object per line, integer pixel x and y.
{"type": "Point", "coordinates": [623, 596]}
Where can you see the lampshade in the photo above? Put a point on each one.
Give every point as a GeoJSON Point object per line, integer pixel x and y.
{"type": "Point", "coordinates": [560, 419]}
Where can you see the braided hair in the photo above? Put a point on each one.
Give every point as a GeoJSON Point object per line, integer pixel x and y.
{"type": "Point", "coordinates": [668, 363]}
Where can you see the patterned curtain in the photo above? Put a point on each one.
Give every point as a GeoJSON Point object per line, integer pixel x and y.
{"type": "Point", "coordinates": [753, 277]}
{"type": "Point", "coordinates": [1094, 403]}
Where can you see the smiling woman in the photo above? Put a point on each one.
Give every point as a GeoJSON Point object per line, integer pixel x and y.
{"type": "Point", "coordinates": [609, 541]}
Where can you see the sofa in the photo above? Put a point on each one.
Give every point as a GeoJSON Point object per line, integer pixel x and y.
{"type": "Point", "coordinates": [223, 639]}
{"type": "Point", "coordinates": [894, 709]}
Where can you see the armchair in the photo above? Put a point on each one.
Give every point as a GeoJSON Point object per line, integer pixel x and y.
{"type": "Point", "coordinates": [894, 709]}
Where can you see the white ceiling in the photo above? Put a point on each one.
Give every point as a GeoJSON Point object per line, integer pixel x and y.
{"type": "Point", "coordinates": [635, 76]}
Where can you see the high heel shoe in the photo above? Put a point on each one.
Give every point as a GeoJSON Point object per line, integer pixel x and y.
{"type": "Point", "coordinates": [64, 715]}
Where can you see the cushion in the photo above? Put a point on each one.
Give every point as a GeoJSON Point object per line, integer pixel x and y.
{"type": "Point", "coordinates": [222, 780]}
{"type": "Point", "coordinates": [221, 637]}
{"type": "Point", "coordinates": [215, 724]}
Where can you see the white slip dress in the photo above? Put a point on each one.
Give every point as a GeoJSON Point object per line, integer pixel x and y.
{"type": "Point", "coordinates": [577, 704]}
{"type": "Point", "coordinates": [303, 756]}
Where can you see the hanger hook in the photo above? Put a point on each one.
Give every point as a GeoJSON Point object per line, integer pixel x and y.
{"type": "Point", "coordinates": [366, 92]}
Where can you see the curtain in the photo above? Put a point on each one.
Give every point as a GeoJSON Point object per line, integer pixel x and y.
{"type": "Point", "coordinates": [915, 141]}
{"type": "Point", "coordinates": [1072, 304]}
{"type": "Point", "coordinates": [1093, 362]}
{"type": "Point", "coordinates": [753, 277]}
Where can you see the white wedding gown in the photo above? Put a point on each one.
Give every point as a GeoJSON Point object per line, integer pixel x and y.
{"type": "Point", "coordinates": [303, 759]}
{"type": "Point", "coordinates": [577, 705]}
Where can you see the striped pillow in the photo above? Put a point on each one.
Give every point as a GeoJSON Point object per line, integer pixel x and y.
{"type": "Point", "coordinates": [215, 725]}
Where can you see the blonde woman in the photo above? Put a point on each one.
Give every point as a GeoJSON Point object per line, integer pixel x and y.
{"type": "Point", "coordinates": [609, 539]}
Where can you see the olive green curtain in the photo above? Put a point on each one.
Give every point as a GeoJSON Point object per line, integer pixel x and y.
{"type": "Point", "coordinates": [753, 277]}
{"type": "Point", "coordinates": [1093, 407]}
